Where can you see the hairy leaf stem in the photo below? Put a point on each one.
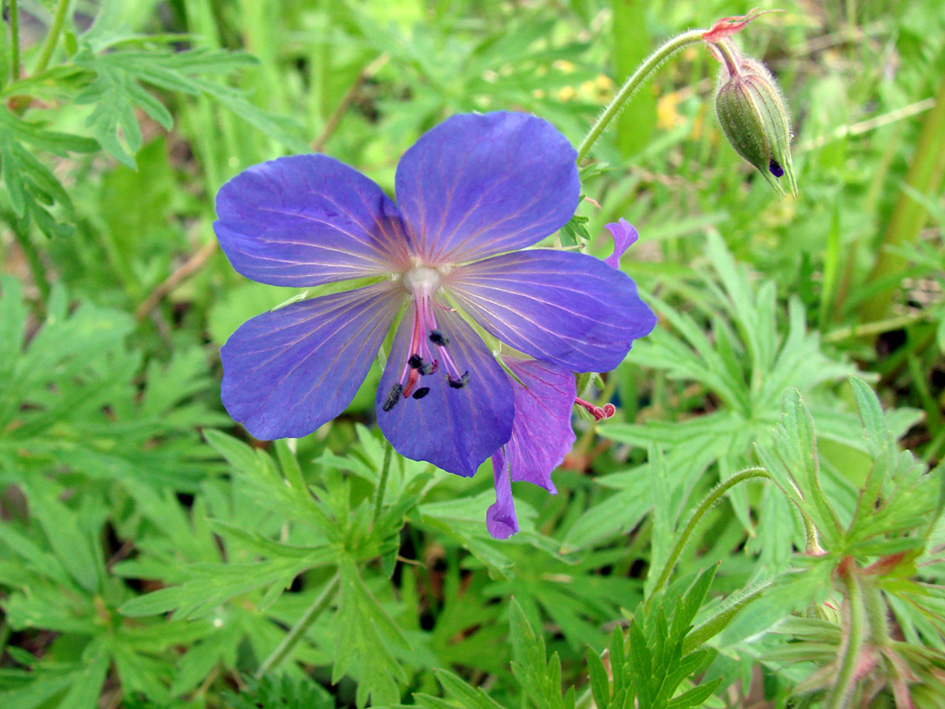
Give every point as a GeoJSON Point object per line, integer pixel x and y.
{"type": "Point", "coordinates": [299, 629]}
{"type": "Point", "coordinates": [707, 504]}
{"type": "Point", "coordinates": [52, 38]}
{"type": "Point", "coordinates": [633, 84]}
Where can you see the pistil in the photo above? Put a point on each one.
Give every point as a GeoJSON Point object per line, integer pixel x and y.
{"type": "Point", "coordinates": [428, 344]}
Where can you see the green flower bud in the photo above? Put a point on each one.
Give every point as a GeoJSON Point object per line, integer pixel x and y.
{"type": "Point", "coordinates": [754, 117]}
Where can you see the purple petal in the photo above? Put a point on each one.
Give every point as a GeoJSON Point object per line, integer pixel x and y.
{"type": "Point", "coordinates": [567, 308]}
{"type": "Point", "coordinates": [478, 185]}
{"type": "Point", "coordinates": [288, 371]}
{"type": "Point", "coordinates": [541, 432]}
{"type": "Point", "coordinates": [455, 429]}
{"type": "Point", "coordinates": [624, 237]}
{"type": "Point", "coordinates": [500, 517]}
{"type": "Point", "coordinates": [306, 220]}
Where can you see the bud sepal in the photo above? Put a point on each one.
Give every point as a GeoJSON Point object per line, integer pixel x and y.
{"type": "Point", "coordinates": [754, 116]}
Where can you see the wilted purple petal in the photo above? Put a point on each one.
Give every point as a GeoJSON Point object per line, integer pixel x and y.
{"type": "Point", "coordinates": [541, 433]}
{"type": "Point", "coordinates": [624, 237]}
{"type": "Point", "coordinates": [567, 308]}
{"type": "Point", "coordinates": [287, 372]}
{"type": "Point", "coordinates": [500, 517]}
{"type": "Point", "coordinates": [478, 185]}
{"type": "Point", "coordinates": [306, 220]}
{"type": "Point", "coordinates": [456, 429]}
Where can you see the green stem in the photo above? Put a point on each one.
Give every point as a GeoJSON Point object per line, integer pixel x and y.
{"type": "Point", "coordinates": [728, 56]}
{"type": "Point", "coordinates": [853, 641]}
{"type": "Point", "coordinates": [299, 629]}
{"type": "Point", "coordinates": [632, 85]}
{"type": "Point", "coordinates": [52, 38]}
{"type": "Point", "coordinates": [382, 484]}
{"type": "Point", "coordinates": [14, 41]}
{"type": "Point", "coordinates": [37, 269]}
{"type": "Point", "coordinates": [707, 504]}
{"type": "Point", "coordinates": [876, 328]}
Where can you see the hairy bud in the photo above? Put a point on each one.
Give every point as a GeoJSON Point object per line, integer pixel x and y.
{"type": "Point", "coordinates": [754, 117]}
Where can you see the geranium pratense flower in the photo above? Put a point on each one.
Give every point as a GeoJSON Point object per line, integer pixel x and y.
{"type": "Point", "coordinates": [471, 194]}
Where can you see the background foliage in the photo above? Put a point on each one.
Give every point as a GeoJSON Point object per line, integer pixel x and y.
{"type": "Point", "coordinates": [759, 525]}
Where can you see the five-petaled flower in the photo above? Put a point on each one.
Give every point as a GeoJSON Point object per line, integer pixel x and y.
{"type": "Point", "coordinates": [447, 260]}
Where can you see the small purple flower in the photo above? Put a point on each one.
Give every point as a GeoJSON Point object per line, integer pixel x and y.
{"type": "Point", "coordinates": [541, 437]}
{"type": "Point", "coordinates": [471, 193]}
{"type": "Point", "coordinates": [625, 236]}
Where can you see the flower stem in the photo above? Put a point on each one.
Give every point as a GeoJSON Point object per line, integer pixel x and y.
{"type": "Point", "coordinates": [855, 634]}
{"type": "Point", "coordinates": [707, 504]}
{"type": "Point", "coordinates": [382, 484]}
{"type": "Point", "coordinates": [52, 38]}
{"type": "Point", "coordinates": [650, 64]}
{"type": "Point", "coordinates": [14, 41]}
{"type": "Point", "coordinates": [299, 629]}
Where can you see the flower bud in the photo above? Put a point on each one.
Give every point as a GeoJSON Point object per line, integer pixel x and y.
{"type": "Point", "coordinates": [754, 118]}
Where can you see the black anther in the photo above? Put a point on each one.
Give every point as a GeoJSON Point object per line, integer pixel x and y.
{"type": "Point", "coordinates": [459, 383]}
{"type": "Point", "coordinates": [393, 397]}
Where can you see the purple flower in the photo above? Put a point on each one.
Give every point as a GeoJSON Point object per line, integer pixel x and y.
{"type": "Point", "coordinates": [541, 437]}
{"type": "Point", "coordinates": [625, 236]}
{"type": "Point", "coordinates": [471, 193]}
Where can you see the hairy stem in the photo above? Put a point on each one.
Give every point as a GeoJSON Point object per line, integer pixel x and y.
{"type": "Point", "coordinates": [299, 629]}
{"type": "Point", "coordinates": [707, 504]}
{"type": "Point", "coordinates": [632, 85]}
{"type": "Point", "coordinates": [853, 640]}
{"type": "Point", "coordinates": [52, 38]}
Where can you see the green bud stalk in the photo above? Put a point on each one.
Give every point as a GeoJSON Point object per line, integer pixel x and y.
{"type": "Point", "coordinates": [754, 117]}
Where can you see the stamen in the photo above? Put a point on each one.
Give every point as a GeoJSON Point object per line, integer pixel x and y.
{"type": "Point", "coordinates": [438, 338]}
{"type": "Point", "coordinates": [428, 368]}
{"type": "Point", "coordinates": [458, 383]}
{"type": "Point", "coordinates": [416, 362]}
{"type": "Point", "coordinates": [421, 392]}
{"type": "Point", "coordinates": [393, 397]}
{"type": "Point", "coordinates": [597, 412]}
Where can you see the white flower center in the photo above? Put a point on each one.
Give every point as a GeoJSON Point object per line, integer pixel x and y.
{"type": "Point", "coordinates": [422, 281]}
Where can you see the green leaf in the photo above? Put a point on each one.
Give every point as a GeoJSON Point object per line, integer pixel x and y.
{"type": "Point", "coordinates": [117, 90]}
{"type": "Point", "coordinates": [471, 697]}
{"type": "Point", "coordinates": [695, 697]}
{"type": "Point", "coordinates": [213, 584]}
{"type": "Point", "coordinates": [366, 640]}
{"type": "Point", "coordinates": [279, 692]}
{"type": "Point", "coordinates": [31, 187]}
{"type": "Point", "coordinates": [600, 684]}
